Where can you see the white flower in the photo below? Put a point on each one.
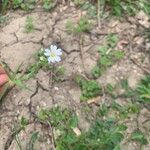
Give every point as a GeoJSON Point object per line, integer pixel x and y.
{"type": "Point", "coordinates": [53, 54]}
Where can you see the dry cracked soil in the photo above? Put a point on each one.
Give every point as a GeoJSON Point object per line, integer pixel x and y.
{"type": "Point", "coordinates": [18, 47]}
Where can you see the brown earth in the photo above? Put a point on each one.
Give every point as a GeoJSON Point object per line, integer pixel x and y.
{"type": "Point", "coordinates": [17, 47]}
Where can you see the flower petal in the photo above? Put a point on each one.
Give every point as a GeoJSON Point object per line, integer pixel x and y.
{"type": "Point", "coordinates": [51, 59]}
{"type": "Point", "coordinates": [53, 47]}
{"type": "Point", "coordinates": [57, 59]}
{"type": "Point", "coordinates": [59, 52]}
{"type": "Point", "coordinates": [47, 50]}
{"type": "Point", "coordinates": [47, 53]}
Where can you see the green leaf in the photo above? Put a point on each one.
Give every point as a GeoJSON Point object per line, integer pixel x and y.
{"type": "Point", "coordinates": [34, 136]}
{"type": "Point", "coordinates": [139, 137]}
{"type": "Point", "coordinates": [117, 137]}
{"type": "Point", "coordinates": [103, 50]}
{"type": "Point", "coordinates": [24, 121]}
{"type": "Point", "coordinates": [105, 61]}
{"type": "Point", "coordinates": [33, 139]}
{"type": "Point", "coordinates": [124, 84]}
{"type": "Point", "coordinates": [143, 90]}
{"type": "Point", "coordinates": [74, 121]}
{"type": "Point", "coordinates": [122, 127]}
{"type": "Point", "coordinates": [118, 54]}
{"type": "Point", "coordinates": [112, 40]}
{"type": "Point", "coordinates": [117, 147]}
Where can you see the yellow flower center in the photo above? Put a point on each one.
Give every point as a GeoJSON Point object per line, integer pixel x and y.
{"type": "Point", "coordinates": [53, 55]}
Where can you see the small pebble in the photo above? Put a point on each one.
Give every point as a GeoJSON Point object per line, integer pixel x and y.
{"type": "Point", "coordinates": [56, 88]}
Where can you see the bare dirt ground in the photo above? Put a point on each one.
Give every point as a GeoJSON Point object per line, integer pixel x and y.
{"type": "Point", "coordinates": [17, 47]}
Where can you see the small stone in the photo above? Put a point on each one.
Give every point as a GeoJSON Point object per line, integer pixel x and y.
{"type": "Point", "coordinates": [18, 112]}
{"type": "Point", "coordinates": [72, 4]}
{"type": "Point", "coordinates": [38, 107]}
{"type": "Point", "coordinates": [56, 88]}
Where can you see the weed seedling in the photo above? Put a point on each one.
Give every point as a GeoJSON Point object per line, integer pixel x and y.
{"type": "Point", "coordinates": [28, 5]}
{"type": "Point", "coordinates": [29, 27]}
{"type": "Point", "coordinates": [86, 6]}
{"type": "Point", "coordinates": [48, 4]}
{"type": "Point", "coordinates": [79, 2]}
{"type": "Point", "coordinates": [138, 136]}
{"type": "Point", "coordinates": [90, 88]}
{"type": "Point", "coordinates": [108, 56]}
{"type": "Point", "coordinates": [103, 134]}
{"type": "Point", "coordinates": [59, 117]}
{"type": "Point", "coordinates": [3, 20]}
{"type": "Point", "coordinates": [143, 90]}
{"type": "Point", "coordinates": [125, 110]}
{"type": "Point", "coordinates": [33, 139]}
{"type": "Point", "coordinates": [4, 5]}
{"type": "Point", "coordinates": [82, 26]}
{"type": "Point", "coordinates": [90, 9]}
{"type": "Point", "coordinates": [45, 60]}
{"type": "Point", "coordinates": [25, 5]}
{"type": "Point", "coordinates": [17, 3]}
{"type": "Point", "coordinates": [20, 126]}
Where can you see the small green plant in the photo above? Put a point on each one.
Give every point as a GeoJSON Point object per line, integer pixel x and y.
{"type": "Point", "coordinates": [109, 89]}
{"type": "Point", "coordinates": [79, 2]}
{"type": "Point", "coordinates": [48, 4]}
{"type": "Point", "coordinates": [33, 139]}
{"type": "Point", "coordinates": [17, 129]}
{"type": "Point", "coordinates": [24, 122]}
{"type": "Point", "coordinates": [121, 111]}
{"type": "Point", "coordinates": [3, 20]}
{"type": "Point", "coordinates": [28, 5]}
{"type": "Point", "coordinates": [108, 56]}
{"type": "Point", "coordinates": [90, 88]}
{"type": "Point", "coordinates": [41, 63]}
{"type": "Point", "coordinates": [103, 110]}
{"type": "Point", "coordinates": [86, 6]}
{"type": "Point", "coordinates": [29, 27]}
{"type": "Point", "coordinates": [147, 34]}
{"type": "Point", "coordinates": [129, 92]}
{"type": "Point", "coordinates": [16, 78]}
{"type": "Point", "coordinates": [60, 118]}
{"type": "Point", "coordinates": [82, 26]}
{"type": "Point", "coordinates": [145, 6]}
{"type": "Point", "coordinates": [63, 121]}
{"type": "Point", "coordinates": [125, 110]}
{"type": "Point", "coordinates": [20, 126]}
{"type": "Point", "coordinates": [89, 8]}
{"type": "Point", "coordinates": [25, 5]}
{"type": "Point", "coordinates": [17, 3]}
{"type": "Point", "coordinates": [118, 7]}
{"type": "Point", "coordinates": [103, 134]}
{"type": "Point", "coordinates": [4, 5]}
{"type": "Point", "coordinates": [143, 90]}
{"type": "Point", "coordinates": [138, 136]}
